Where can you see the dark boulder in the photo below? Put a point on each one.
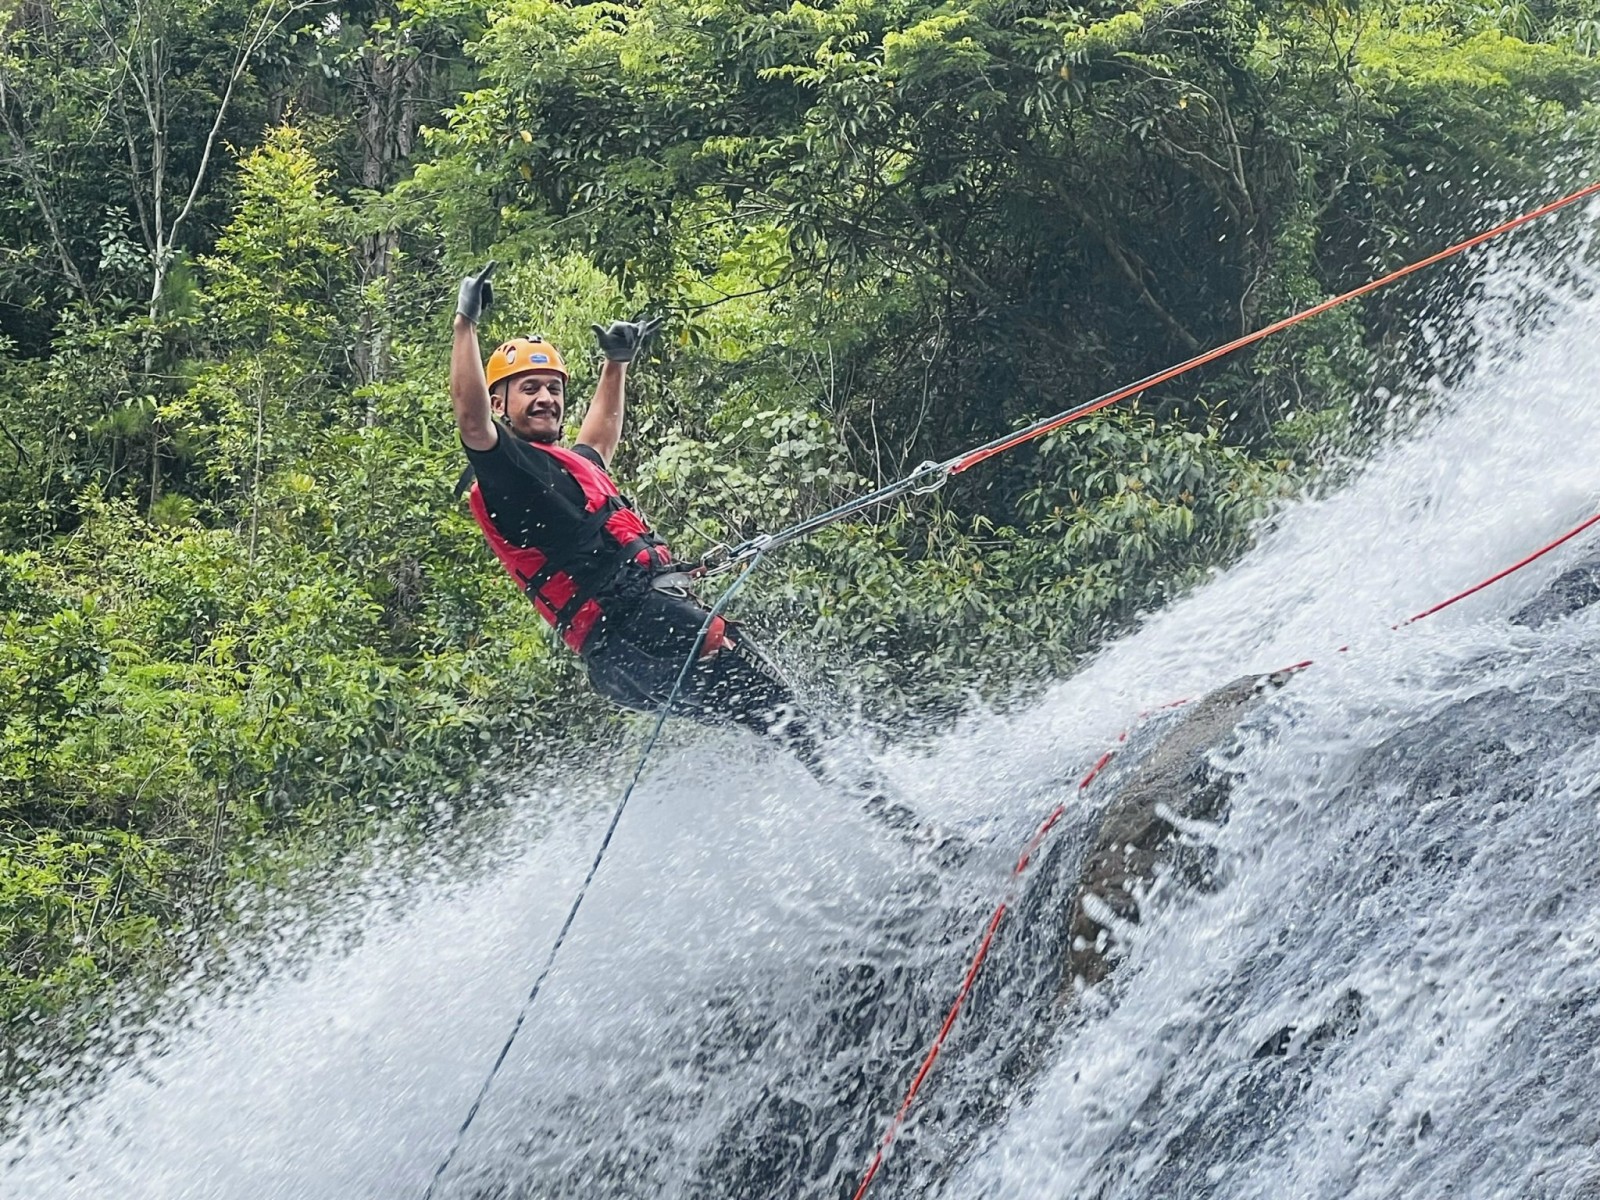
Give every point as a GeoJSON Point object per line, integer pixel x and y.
{"type": "Point", "coordinates": [1140, 832]}
{"type": "Point", "coordinates": [1569, 592]}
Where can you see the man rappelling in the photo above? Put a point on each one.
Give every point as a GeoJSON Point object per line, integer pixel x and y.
{"type": "Point", "coordinates": [579, 549]}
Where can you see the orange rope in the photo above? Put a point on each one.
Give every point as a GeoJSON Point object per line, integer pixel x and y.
{"type": "Point", "coordinates": [1050, 424]}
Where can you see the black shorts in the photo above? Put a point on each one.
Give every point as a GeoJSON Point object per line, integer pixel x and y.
{"type": "Point", "coordinates": [635, 659]}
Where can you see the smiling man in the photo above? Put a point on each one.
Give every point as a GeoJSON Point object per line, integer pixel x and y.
{"type": "Point", "coordinates": [579, 550]}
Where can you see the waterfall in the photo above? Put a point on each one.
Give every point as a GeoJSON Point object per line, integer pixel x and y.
{"type": "Point", "coordinates": [1385, 980]}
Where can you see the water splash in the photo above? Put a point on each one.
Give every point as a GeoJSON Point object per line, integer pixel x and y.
{"type": "Point", "coordinates": [1392, 991]}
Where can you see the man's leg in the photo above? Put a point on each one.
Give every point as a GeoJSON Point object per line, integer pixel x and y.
{"type": "Point", "coordinates": [749, 688]}
{"type": "Point", "coordinates": [741, 686]}
{"type": "Point", "coordinates": [637, 662]}
{"type": "Point", "coordinates": [736, 683]}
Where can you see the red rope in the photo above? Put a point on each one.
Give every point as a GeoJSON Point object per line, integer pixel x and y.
{"type": "Point", "coordinates": [1049, 425]}
{"type": "Point", "coordinates": [1516, 566]}
{"type": "Point", "coordinates": [1055, 816]}
{"type": "Point", "coordinates": [971, 976]}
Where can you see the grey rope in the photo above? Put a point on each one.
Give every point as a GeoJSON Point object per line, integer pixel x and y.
{"type": "Point", "coordinates": [594, 867]}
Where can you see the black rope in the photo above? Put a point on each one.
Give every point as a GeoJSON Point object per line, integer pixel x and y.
{"type": "Point", "coordinates": [594, 867]}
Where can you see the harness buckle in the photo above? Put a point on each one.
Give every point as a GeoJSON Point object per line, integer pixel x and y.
{"type": "Point", "coordinates": [673, 583]}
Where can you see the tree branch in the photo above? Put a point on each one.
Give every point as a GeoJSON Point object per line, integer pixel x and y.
{"type": "Point", "coordinates": [265, 28]}
{"type": "Point", "coordinates": [22, 451]}
{"type": "Point", "coordinates": [1134, 275]}
{"type": "Point", "coordinates": [24, 159]}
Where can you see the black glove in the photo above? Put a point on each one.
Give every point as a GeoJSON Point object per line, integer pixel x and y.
{"type": "Point", "coordinates": [622, 340]}
{"type": "Point", "coordinates": [476, 294]}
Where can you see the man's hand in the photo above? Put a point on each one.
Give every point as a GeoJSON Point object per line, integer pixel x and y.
{"type": "Point", "coordinates": [623, 340]}
{"type": "Point", "coordinates": [476, 295]}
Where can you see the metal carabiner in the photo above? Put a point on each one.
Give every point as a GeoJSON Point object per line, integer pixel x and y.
{"type": "Point", "coordinates": [723, 557]}
{"type": "Point", "coordinates": [714, 559]}
{"type": "Point", "coordinates": [924, 467]}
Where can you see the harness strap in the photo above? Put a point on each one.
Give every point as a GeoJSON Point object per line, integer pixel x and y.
{"type": "Point", "coordinates": [568, 611]}
{"type": "Point", "coordinates": [633, 547]}
{"type": "Point", "coordinates": [565, 613]}
{"type": "Point", "coordinates": [589, 525]}
{"type": "Point", "coordinates": [534, 584]}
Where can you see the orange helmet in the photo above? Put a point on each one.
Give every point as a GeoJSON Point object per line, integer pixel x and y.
{"type": "Point", "coordinates": [521, 355]}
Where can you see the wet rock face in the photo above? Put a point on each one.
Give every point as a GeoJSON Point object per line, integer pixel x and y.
{"type": "Point", "coordinates": [1568, 593]}
{"type": "Point", "coordinates": [1450, 799]}
{"type": "Point", "coordinates": [1141, 831]}
{"type": "Point", "coordinates": [1248, 1111]}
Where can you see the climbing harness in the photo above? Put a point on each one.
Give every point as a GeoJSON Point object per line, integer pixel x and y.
{"type": "Point", "coordinates": [1049, 823]}
{"type": "Point", "coordinates": [565, 589]}
{"type": "Point", "coordinates": [928, 477]}
{"type": "Point", "coordinates": [713, 617]}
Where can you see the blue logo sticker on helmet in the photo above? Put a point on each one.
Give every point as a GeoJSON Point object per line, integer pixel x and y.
{"type": "Point", "coordinates": [538, 358]}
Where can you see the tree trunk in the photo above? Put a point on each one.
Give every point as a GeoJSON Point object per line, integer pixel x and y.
{"type": "Point", "coordinates": [389, 94]}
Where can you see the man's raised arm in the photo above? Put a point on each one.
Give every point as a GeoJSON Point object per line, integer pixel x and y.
{"type": "Point", "coordinates": [469, 391]}
{"type": "Point", "coordinates": [620, 342]}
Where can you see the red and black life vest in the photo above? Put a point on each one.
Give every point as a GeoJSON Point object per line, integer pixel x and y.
{"type": "Point", "coordinates": [564, 595]}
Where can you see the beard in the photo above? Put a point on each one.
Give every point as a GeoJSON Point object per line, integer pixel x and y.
{"type": "Point", "coordinates": [530, 429]}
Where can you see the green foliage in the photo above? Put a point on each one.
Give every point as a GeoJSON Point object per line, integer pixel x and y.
{"type": "Point", "coordinates": [74, 912]}
{"type": "Point", "coordinates": [277, 273]}
{"type": "Point", "coordinates": [1007, 202]}
{"type": "Point", "coordinates": [934, 606]}
{"type": "Point", "coordinates": [168, 698]}
{"type": "Point", "coordinates": [239, 608]}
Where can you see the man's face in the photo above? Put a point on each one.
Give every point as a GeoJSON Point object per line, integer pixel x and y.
{"type": "Point", "coordinates": [533, 405]}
